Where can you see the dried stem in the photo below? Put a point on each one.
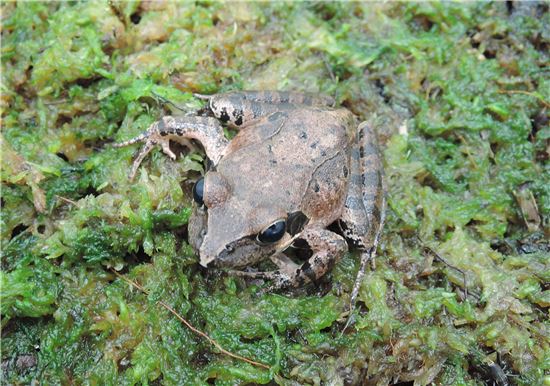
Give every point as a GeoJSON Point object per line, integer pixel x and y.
{"type": "Point", "coordinates": [195, 330]}
{"type": "Point", "coordinates": [541, 99]}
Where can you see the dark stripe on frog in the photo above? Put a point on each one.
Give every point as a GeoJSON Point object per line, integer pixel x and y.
{"type": "Point", "coordinates": [224, 116]}
{"type": "Point", "coordinates": [237, 118]}
{"type": "Point", "coordinates": [354, 203]}
{"type": "Point", "coordinates": [349, 235]}
{"type": "Point", "coordinates": [307, 270]}
{"type": "Point", "coordinates": [368, 152]}
{"type": "Point", "coordinates": [296, 222]}
{"type": "Point", "coordinates": [374, 216]}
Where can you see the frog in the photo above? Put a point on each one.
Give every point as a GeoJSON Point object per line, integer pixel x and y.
{"type": "Point", "coordinates": [300, 173]}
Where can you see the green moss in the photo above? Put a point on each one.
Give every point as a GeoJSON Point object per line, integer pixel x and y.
{"type": "Point", "coordinates": [458, 94]}
{"type": "Point", "coordinates": [29, 288]}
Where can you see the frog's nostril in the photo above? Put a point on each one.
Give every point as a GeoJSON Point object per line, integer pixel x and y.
{"type": "Point", "coordinates": [229, 248]}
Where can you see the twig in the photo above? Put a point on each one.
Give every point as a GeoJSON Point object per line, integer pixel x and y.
{"type": "Point", "coordinates": [167, 101]}
{"type": "Point", "coordinates": [195, 330]}
{"type": "Point", "coordinates": [468, 152]}
{"type": "Point", "coordinates": [541, 99]}
{"type": "Point", "coordinates": [66, 200]}
{"type": "Point", "coordinates": [440, 258]}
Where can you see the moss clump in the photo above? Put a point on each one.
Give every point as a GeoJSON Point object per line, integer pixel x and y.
{"type": "Point", "coordinates": [459, 95]}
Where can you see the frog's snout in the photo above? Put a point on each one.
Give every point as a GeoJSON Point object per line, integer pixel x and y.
{"type": "Point", "coordinates": [205, 260]}
{"type": "Point", "coordinates": [206, 257]}
{"type": "Point", "coordinates": [209, 255]}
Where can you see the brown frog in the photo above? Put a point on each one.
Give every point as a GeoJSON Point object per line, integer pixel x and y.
{"type": "Point", "coordinates": [298, 173]}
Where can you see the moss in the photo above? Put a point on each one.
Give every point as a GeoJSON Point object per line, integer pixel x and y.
{"type": "Point", "coordinates": [459, 96]}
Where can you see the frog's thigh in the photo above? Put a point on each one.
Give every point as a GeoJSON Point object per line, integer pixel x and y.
{"type": "Point", "coordinates": [363, 210]}
{"type": "Point", "coordinates": [239, 108]}
{"type": "Point", "coordinates": [327, 247]}
{"type": "Point", "coordinates": [180, 129]}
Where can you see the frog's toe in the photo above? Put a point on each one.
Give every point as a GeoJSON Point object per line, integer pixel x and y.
{"type": "Point", "coordinates": [202, 96]}
{"type": "Point", "coordinates": [165, 145]}
{"type": "Point", "coordinates": [140, 138]}
{"type": "Point", "coordinates": [146, 149]}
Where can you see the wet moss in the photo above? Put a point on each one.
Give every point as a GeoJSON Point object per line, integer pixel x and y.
{"type": "Point", "coordinates": [459, 96]}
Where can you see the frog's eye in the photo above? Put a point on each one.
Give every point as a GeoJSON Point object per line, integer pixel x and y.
{"type": "Point", "coordinates": [272, 233]}
{"type": "Point", "coordinates": [198, 191]}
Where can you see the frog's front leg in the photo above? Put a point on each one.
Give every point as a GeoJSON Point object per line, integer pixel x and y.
{"type": "Point", "coordinates": [180, 129]}
{"type": "Point", "coordinates": [327, 247]}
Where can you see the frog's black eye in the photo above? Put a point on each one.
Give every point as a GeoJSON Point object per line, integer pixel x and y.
{"type": "Point", "coordinates": [198, 191]}
{"type": "Point", "coordinates": [272, 233]}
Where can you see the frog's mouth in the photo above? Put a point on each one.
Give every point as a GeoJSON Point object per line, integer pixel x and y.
{"type": "Point", "coordinates": [206, 260]}
{"type": "Point", "coordinates": [238, 254]}
{"type": "Point", "coordinates": [243, 253]}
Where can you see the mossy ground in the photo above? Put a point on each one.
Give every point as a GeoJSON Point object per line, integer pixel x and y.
{"type": "Point", "coordinates": [459, 94]}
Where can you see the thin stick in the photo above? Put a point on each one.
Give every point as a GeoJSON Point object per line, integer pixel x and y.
{"type": "Point", "coordinates": [541, 99]}
{"type": "Point", "coordinates": [440, 258]}
{"type": "Point", "coordinates": [189, 326]}
{"type": "Point", "coordinates": [66, 200]}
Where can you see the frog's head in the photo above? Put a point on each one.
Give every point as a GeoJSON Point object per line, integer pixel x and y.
{"type": "Point", "coordinates": [227, 232]}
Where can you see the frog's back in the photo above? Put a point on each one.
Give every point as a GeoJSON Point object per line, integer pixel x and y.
{"type": "Point", "coordinates": [280, 157]}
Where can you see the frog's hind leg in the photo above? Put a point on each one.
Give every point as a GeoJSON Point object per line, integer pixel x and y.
{"type": "Point", "coordinates": [279, 97]}
{"type": "Point", "coordinates": [180, 129]}
{"type": "Point", "coordinates": [364, 211]}
{"type": "Point", "coordinates": [327, 247]}
{"type": "Point", "coordinates": [239, 108]}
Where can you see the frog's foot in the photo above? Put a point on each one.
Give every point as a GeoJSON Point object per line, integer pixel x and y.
{"type": "Point", "coordinates": [366, 256]}
{"type": "Point", "coordinates": [277, 279]}
{"type": "Point", "coordinates": [150, 139]}
{"type": "Point", "coordinates": [181, 129]}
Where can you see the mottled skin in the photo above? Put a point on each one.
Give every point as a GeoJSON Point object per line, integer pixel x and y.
{"type": "Point", "coordinates": [296, 159]}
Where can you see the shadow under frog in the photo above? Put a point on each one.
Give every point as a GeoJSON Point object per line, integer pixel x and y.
{"type": "Point", "coordinates": [296, 167]}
